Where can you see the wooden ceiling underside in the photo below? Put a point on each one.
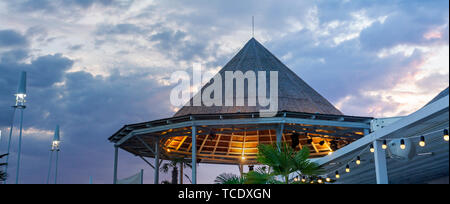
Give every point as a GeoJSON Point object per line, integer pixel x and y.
{"type": "Point", "coordinates": [239, 144]}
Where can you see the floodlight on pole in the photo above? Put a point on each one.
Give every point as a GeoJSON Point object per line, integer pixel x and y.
{"type": "Point", "coordinates": [55, 147]}
{"type": "Point", "coordinates": [20, 104]}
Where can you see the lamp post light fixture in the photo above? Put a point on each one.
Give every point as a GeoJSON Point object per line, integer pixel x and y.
{"type": "Point", "coordinates": [55, 147]}
{"type": "Point", "coordinates": [20, 104]}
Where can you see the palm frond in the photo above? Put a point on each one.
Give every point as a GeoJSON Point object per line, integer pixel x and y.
{"type": "Point", "coordinates": [228, 178]}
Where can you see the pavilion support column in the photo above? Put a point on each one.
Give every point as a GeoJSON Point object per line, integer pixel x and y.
{"type": "Point", "coordinates": [380, 163]}
{"type": "Point", "coordinates": [116, 159]}
{"type": "Point", "coordinates": [157, 161]}
{"type": "Point", "coordinates": [194, 155]}
{"type": "Point", "coordinates": [279, 132]}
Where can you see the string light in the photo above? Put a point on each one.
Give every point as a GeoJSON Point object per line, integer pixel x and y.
{"type": "Point", "coordinates": [303, 179]}
{"type": "Point", "coordinates": [402, 144]}
{"type": "Point", "coordinates": [422, 141]}
{"type": "Point", "coordinates": [328, 179]}
{"type": "Point", "coordinates": [320, 180]}
{"type": "Point", "coordinates": [296, 179]}
{"type": "Point", "coordinates": [384, 146]}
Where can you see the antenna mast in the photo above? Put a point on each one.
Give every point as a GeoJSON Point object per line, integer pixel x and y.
{"type": "Point", "coordinates": [253, 26]}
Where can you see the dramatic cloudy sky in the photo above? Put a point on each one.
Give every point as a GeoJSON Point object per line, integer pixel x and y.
{"type": "Point", "coordinates": [95, 65]}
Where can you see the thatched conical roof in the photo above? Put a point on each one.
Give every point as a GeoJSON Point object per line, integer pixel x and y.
{"type": "Point", "coordinates": [295, 95]}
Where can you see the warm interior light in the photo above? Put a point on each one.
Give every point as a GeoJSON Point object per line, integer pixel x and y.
{"type": "Point", "coordinates": [402, 144]}
{"type": "Point", "coordinates": [446, 135]}
{"type": "Point", "coordinates": [330, 153]}
{"type": "Point", "coordinates": [384, 146]}
{"type": "Point", "coordinates": [168, 150]}
{"type": "Point", "coordinates": [422, 141]}
{"type": "Point", "coordinates": [358, 160]}
{"type": "Point", "coordinates": [347, 169]}
{"type": "Point", "coordinates": [243, 158]}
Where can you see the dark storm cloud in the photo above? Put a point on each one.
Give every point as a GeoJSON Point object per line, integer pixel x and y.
{"type": "Point", "coordinates": [10, 38]}
{"type": "Point", "coordinates": [82, 107]}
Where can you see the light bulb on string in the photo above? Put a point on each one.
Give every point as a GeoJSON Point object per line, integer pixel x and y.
{"type": "Point", "coordinates": [372, 149]}
{"type": "Point", "coordinates": [422, 141]}
{"type": "Point", "coordinates": [347, 168]}
{"type": "Point", "coordinates": [402, 144]}
{"type": "Point", "coordinates": [446, 135]}
{"type": "Point", "coordinates": [337, 175]}
{"type": "Point", "coordinates": [328, 179]}
{"type": "Point", "coordinates": [358, 160]}
{"type": "Point", "coordinates": [384, 146]}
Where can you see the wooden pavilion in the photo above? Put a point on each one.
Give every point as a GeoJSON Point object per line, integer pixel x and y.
{"type": "Point", "coordinates": [231, 134]}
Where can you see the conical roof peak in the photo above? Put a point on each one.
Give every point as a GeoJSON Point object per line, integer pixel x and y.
{"type": "Point", "coordinates": [294, 94]}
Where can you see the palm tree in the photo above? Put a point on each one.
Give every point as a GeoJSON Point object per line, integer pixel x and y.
{"type": "Point", "coordinates": [228, 178]}
{"type": "Point", "coordinates": [174, 163]}
{"type": "Point", "coordinates": [284, 161]}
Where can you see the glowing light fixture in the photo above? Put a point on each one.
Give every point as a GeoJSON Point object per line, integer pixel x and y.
{"type": "Point", "coordinates": [402, 144]}
{"type": "Point", "coordinates": [328, 179]}
{"type": "Point", "coordinates": [372, 149]}
{"type": "Point", "coordinates": [243, 158]}
{"type": "Point", "coordinates": [446, 135]}
{"type": "Point", "coordinates": [358, 160]}
{"type": "Point", "coordinates": [320, 181]}
{"type": "Point", "coordinates": [384, 145]}
{"type": "Point", "coordinates": [303, 179]}
{"type": "Point", "coordinates": [22, 90]}
{"type": "Point", "coordinates": [330, 153]}
{"type": "Point", "coordinates": [347, 168]}
{"type": "Point", "coordinates": [422, 141]}
{"type": "Point", "coordinates": [337, 175]}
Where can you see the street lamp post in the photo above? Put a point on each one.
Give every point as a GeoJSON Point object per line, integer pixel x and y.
{"type": "Point", "coordinates": [20, 104]}
{"type": "Point", "coordinates": [55, 147]}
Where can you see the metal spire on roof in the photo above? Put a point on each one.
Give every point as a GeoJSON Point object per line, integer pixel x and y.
{"type": "Point", "coordinates": [253, 26]}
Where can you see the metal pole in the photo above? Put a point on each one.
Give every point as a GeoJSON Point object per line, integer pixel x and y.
{"type": "Point", "coordinates": [157, 161]}
{"type": "Point", "coordinates": [9, 141]}
{"type": "Point", "coordinates": [20, 145]}
{"type": "Point", "coordinates": [56, 169]}
{"type": "Point", "coordinates": [194, 155]}
{"type": "Point", "coordinates": [116, 157]}
{"type": "Point", "coordinates": [380, 163]}
{"type": "Point", "coordinates": [49, 166]}
{"type": "Point", "coordinates": [142, 176]}
{"type": "Point", "coordinates": [279, 132]}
